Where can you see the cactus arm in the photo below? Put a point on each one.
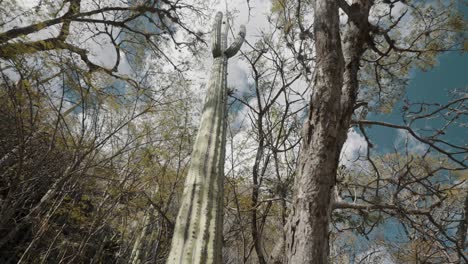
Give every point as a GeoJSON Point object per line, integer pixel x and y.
{"type": "Point", "coordinates": [235, 46]}
{"type": "Point", "coordinates": [216, 35]}
{"type": "Point", "coordinates": [224, 35]}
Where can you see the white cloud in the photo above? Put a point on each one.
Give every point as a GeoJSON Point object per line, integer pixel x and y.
{"type": "Point", "coordinates": [405, 139]}
{"type": "Point", "coordinates": [238, 75]}
{"type": "Point", "coordinates": [27, 3]}
{"type": "Point", "coordinates": [354, 147]}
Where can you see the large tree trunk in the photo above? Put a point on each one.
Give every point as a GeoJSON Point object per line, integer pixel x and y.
{"type": "Point", "coordinates": [199, 227]}
{"type": "Point", "coordinates": [325, 131]}
{"type": "Point", "coordinates": [307, 229]}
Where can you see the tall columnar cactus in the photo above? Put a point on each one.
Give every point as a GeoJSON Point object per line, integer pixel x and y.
{"type": "Point", "coordinates": [198, 230]}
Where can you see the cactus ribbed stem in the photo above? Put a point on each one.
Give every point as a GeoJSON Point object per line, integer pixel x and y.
{"type": "Point", "coordinates": [235, 46]}
{"type": "Point", "coordinates": [199, 226]}
{"type": "Point", "coordinates": [216, 35]}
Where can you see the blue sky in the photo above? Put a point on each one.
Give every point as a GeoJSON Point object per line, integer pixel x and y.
{"type": "Point", "coordinates": [432, 86]}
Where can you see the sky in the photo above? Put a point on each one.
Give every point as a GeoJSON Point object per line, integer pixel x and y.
{"type": "Point", "coordinates": [451, 73]}
{"type": "Point", "coordinates": [432, 86]}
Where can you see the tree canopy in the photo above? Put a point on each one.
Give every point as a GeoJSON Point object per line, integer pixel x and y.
{"type": "Point", "coordinates": [101, 102]}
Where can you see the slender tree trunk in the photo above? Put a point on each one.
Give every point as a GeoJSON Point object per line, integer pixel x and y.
{"type": "Point", "coordinates": [199, 227]}
{"type": "Point", "coordinates": [138, 246]}
{"type": "Point", "coordinates": [255, 230]}
{"type": "Point", "coordinates": [355, 37]}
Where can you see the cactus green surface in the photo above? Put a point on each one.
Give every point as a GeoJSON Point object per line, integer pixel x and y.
{"type": "Point", "coordinates": [199, 226]}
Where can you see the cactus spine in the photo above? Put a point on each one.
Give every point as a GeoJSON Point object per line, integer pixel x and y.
{"type": "Point", "coordinates": [199, 226]}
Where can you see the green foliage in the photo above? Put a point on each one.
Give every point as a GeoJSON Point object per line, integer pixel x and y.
{"type": "Point", "coordinates": [278, 5]}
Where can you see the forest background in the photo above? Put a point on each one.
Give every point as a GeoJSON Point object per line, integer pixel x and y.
{"type": "Point", "coordinates": [99, 112]}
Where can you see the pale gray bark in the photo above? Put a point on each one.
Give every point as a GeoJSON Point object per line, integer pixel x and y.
{"type": "Point", "coordinates": [198, 230]}
{"type": "Point", "coordinates": [325, 131]}
{"type": "Point", "coordinates": [307, 228]}
{"type": "Point", "coordinates": [136, 255]}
